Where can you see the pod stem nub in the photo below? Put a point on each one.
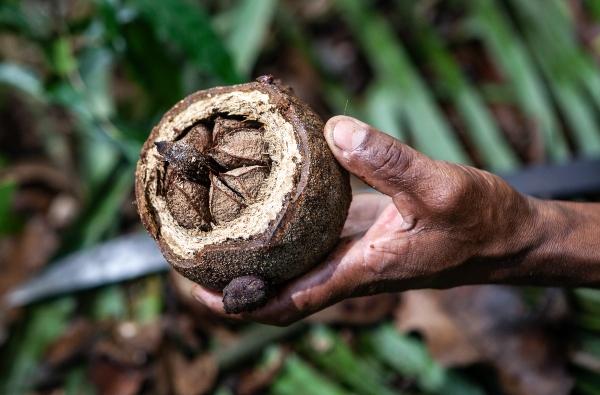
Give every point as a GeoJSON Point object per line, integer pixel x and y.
{"type": "Point", "coordinates": [244, 294]}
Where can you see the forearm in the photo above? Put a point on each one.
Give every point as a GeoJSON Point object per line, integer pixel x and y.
{"type": "Point", "coordinates": [559, 245]}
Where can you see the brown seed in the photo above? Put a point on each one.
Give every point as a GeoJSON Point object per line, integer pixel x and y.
{"type": "Point", "coordinates": [225, 204]}
{"type": "Point", "coordinates": [186, 155]}
{"type": "Point", "coordinates": [224, 126]}
{"type": "Point", "coordinates": [198, 137]}
{"type": "Point", "coordinates": [242, 147]}
{"type": "Point", "coordinates": [187, 202]}
{"type": "Point", "coordinates": [246, 180]}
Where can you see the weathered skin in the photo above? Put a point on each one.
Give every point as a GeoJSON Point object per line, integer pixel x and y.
{"type": "Point", "coordinates": [435, 225]}
{"type": "Point", "coordinates": [305, 230]}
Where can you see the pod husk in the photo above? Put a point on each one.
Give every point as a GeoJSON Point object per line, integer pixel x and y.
{"type": "Point", "coordinates": [303, 232]}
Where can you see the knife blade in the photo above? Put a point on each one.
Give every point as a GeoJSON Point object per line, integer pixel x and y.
{"type": "Point", "coordinates": [120, 259]}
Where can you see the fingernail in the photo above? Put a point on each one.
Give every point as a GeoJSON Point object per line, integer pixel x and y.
{"type": "Point", "coordinates": [348, 135]}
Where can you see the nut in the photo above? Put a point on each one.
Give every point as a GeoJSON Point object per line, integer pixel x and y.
{"type": "Point", "coordinates": [238, 187]}
{"type": "Point", "coordinates": [233, 164]}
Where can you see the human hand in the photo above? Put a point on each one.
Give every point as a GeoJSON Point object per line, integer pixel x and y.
{"type": "Point", "coordinates": [436, 225]}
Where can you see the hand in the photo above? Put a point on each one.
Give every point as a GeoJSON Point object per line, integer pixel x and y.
{"type": "Point", "coordinates": [435, 226]}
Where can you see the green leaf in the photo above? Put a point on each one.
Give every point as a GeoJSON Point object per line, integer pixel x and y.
{"type": "Point", "coordinates": [587, 300]}
{"type": "Point", "coordinates": [77, 382]}
{"type": "Point", "coordinates": [91, 124]}
{"type": "Point", "coordinates": [588, 321]}
{"type": "Point", "coordinates": [30, 19]}
{"type": "Point", "coordinates": [46, 322]}
{"type": "Point", "coordinates": [480, 125]}
{"type": "Point", "coordinates": [384, 110]}
{"type": "Point", "coordinates": [95, 68]}
{"type": "Point", "coordinates": [410, 358]}
{"type": "Point", "coordinates": [593, 7]}
{"type": "Point", "coordinates": [109, 303]}
{"type": "Point", "coordinates": [431, 133]}
{"type": "Point", "coordinates": [223, 390]}
{"type": "Point", "coordinates": [12, 18]}
{"type": "Point", "coordinates": [250, 25]}
{"type": "Point", "coordinates": [61, 57]}
{"type": "Point", "coordinates": [299, 377]}
{"type": "Point", "coordinates": [507, 50]}
{"type": "Point", "coordinates": [21, 78]}
{"type": "Point", "coordinates": [9, 223]}
{"type": "Point", "coordinates": [589, 344]}
{"type": "Point", "coordinates": [103, 216]}
{"type": "Point", "coordinates": [100, 143]}
{"type": "Point", "coordinates": [581, 116]}
{"type": "Point", "coordinates": [188, 27]}
{"type": "Point", "coordinates": [565, 66]}
{"type": "Point", "coordinates": [148, 305]}
{"type": "Point", "coordinates": [326, 349]}
{"type": "Point", "coordinates": [162, 77]}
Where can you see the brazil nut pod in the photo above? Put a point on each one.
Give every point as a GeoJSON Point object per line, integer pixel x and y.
{"type": "Point", "coordinates": [240, 190]}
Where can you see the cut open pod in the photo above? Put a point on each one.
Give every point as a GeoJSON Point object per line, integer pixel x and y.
{"type": "Point", "coordinates": [240, 190]}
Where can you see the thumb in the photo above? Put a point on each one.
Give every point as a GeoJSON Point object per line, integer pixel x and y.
{"type": "Point", "coordinates": [375, 157]}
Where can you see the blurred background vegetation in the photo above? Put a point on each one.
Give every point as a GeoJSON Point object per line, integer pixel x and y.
{"type": "Point", "coordinates": [499, 84]}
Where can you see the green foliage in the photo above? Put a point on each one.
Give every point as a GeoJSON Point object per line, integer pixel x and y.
{"type": "Point", "coordinates": [388, 58]}
{"type": "Point", "coordinates": [480, 125]}
{"type": "Point", "coordinates": [250, 25]}
{"type": "Point", "coordinates": [298, 376]}
{"type": "Point", "coordinates": [327, 350]}
{"type": "Point", "coordinates": [61, 57]}
{"type": "Point", "coordinates": [161, 78]}
{"type": "Point", "coordinates": [411, 359]}
{"type": "Point", "coordinates": [9, 223]}
{"type": "Point", "coordinates": [46, 322]}
{"type": "Point", "coordinates": [109, 303]}
{"type": "Point", "coordinates": [22, 79]}
{"type": "Point", "coordinates": [115, 71]}
{"type": "Point", "coordinates": [508, 50]}
{"type": "Point", "coordinates": [549, 34]}
{"type": "Point", "coordinates": [101, 217]}
{"type": "Point", "coordinates": [189, 27]}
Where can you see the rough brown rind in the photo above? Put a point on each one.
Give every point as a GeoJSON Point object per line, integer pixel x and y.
{"type": "Point", "coordinates": [304, 230]}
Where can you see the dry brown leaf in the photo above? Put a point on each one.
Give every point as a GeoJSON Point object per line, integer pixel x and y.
{"type": "Point", "coordinates": [493, 324]}
{"type": "Point", "coordinates": [258, 379]}
{"type": "Point", "coordinates": [421, 311]}
{"type": "Point", "coordinates": [181, 328]}
{"type": "Point", "coordinates": [131, 343]}
{"type": "Point", "coordinates": [192, 377]}
{"type": "Point", "coordinates": [112, 378]}
{"type": "Point", "coordinates": [25, 254]}
{"type": "Point", "coordinates": [72, 343]}
{"type": "Point", "coordinates": [529, 361]}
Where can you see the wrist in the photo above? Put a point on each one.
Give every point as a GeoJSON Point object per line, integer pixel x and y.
{"type": "Point", "coordinates": [556, 244]}
{"type": "Point", "coordinates": [518, 231]}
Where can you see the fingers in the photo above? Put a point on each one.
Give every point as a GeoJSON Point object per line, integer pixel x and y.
{"type": "Point", "coordinates": [212, 300]}
{"type": "Point", "coordinates": [315, 290]}
{"type": "Point", "coordinates": [353, 269]}
{"type": "Point", "coordinates": [377, 158]}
